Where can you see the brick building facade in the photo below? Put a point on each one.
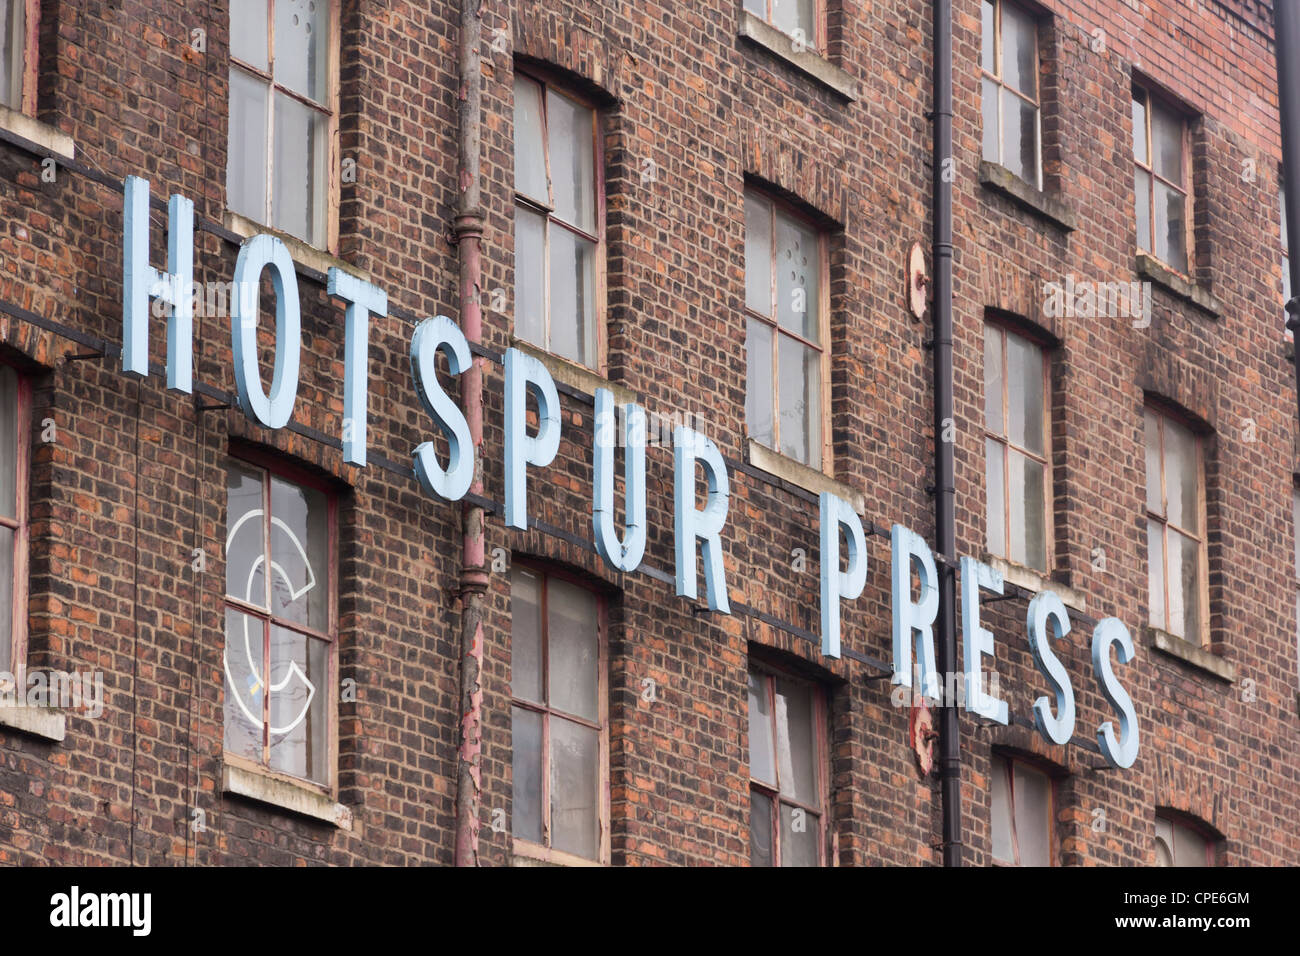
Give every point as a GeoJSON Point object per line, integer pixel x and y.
{"type": "Point", "coordinates": [725, 152]}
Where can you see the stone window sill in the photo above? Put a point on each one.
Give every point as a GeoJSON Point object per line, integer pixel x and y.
{"type": "Point", "coordinates": [1004, 181]}
{"type": "Point", "coordinates": [1190, 654]}
{"type": "Point", "coordinates": [288, 795]}
{"type": "Point", "coordinates": [43, 722]}
{"type": "Point", "coordinates": [304, 254]}
{"type": "Point", "coordinates": [1149, 267]}
{"type": "Point", "coordinates": [799, 474]}
{"type": "Point", "coordinates": [761, 33]}
{"type": "Point", "coordinates": [575, 376]}
{"type": "Point", "coordinates": [1033, 580]}
{"type": "Point", "coordinates": [40, 134]}
{"type": "Point", "coordinates": [524, 853]}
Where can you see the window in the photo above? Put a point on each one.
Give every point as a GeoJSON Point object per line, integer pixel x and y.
{"type": "Point", "coordinates": [18, 20]}
{"type": "Point", "coordinates": [1175, 508]}
{"type": "Point", "coordinates": [558, 718]}
{"type": "Point", "coordinates": [1022, 814]}
{"type": "Point", "coordinates": [1016, 469]}
{"type": "Point", "coordinates": [14, 403]}
{"type": "Point", "coordinates": [787, 328]}
{"type": "Point", "coordinates": [281, 603]}
{"type": "Point", "coordinates": [787, 771]}
{"type": "Point", "coordinates": [1160, 181]}
{"type": "Point", "coordinates": [1178, 844]}
{"type": "Point", "coordinates": [805, 20]}
{"type": "Point", "coordinates": [559, 222]}
{"type": "Point", "coordinates": [284, 116]}
{"type": "Point", "coordinates": [1286, 255]}
{"type": "Point", "coordinates": [1009, 67]}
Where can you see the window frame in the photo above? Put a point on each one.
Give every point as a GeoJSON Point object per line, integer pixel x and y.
{"type": "Point", "coordinates": [1002, 84]}
{"type": "Point", "coordinates": [544, 852]}
{"type": "Point", "coordinates": [1203, 574]}
{"type": "Point", "coordinates": [21, 525]}
{"type": "Point", "coordinates": [331, 109]}
{"type": "Point", "coordinates": [548, 80]}
{"type": "Point", "coordinates": [270, 466]}
{"type": "Point", "coordinates": [773, 323]}
{"type": "Point", "coordinates": [1187, 823]}
{"type": "Point", "coordinates": [818, 43]}
{"type": "Point", "coordinates": [769, 673]}
{"type": "Point", "coordinates": [1154, 97]}
{"type": "Point", "coordinates": [1004, 330]}
{"type": "Point", "coordinates": [1285, 242]}
{"type": "Point", "coordinates": [27, 42]}
{"type": "Point", "coordinates": [1009, 762]}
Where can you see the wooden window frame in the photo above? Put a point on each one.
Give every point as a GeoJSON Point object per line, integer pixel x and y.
{"type": "Point", "coordinates": [29, 40]}
{"type": "Point", "coordinates": [549, 81]}
{"type": "Point", "coordinates": [1004, 440]}
{"type": "Point", "coordinates": [1210, 840]}
{"type": "Point", "coordinates": [544, 851]}
{"type": "Point", "coordinates": [773, 323]}
{"type": "Point", "coordinates": [1285, 240]}
{"type": "Point", "coordinates": [819, 42]}
{"type": "Point", "coordinates": [1202, 584]}
{"type": "Point", "coordinates": [330, 109]}
{"type": "Point", "coordinates": [1036, 101]}
{"type": "Point", "coordinates": [20, 525]}
{"type": "Point", "coordinates": [1151, 98]}
{"type": "Point", "coordinates": [1004, 762]}
{"type": "Point", "coordinates": [772, 789]}
{"type": "Point", "coordinates": [270, 465]}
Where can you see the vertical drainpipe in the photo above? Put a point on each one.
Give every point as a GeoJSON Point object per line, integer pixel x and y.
{"type": "Point", "coordinates": [1286, 44]}
{"type": "Point", "coordinates": [944, 490]}
{"type": "Point", "coordinates": [467, 233]}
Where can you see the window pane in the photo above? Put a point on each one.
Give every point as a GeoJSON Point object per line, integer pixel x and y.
{"type": "Point", "coordinates": [993, 379]}
{"type": "Point", "coordinates": [798, 274]}
{"type": "Point", "coordinates": [1189, 846]}
{"type": "Point", "coordinates": [799, 395]}
{"type": "Point", "coordinates": [12, 37]}
{"type": "Point", "coordinates": [1155, 500]}
{"type": "Point", "coordinates": [1185, 587]}
{"type": "Point", "coordinates": [758, 388]}
{"type": "Point", "coordinates": [1140, 130]}
{"type": "Point", "coordinates": [989, 92]}
{"type": "Point", "coordinates": [762, 760]}
{"type": "Point", "coordinates": [301, 152]}
{"type": "Point", "coordinates": [1020, 137]}
{"type": "Point", "coordinates": [1025, 393]}
{"type": "Point", "coordinates": [791, 15]}
{"type": "Point", "coordinates": [1019, 50]}
{"type": "Point", "coordinates": [8, 442]}
{"type": "Point", "coordinates": [986, 37]}
{"type": "Point", "coordinates": [6, 598]}
{"type": "Point", "coordinates": [573, 164]}
{"type": "Point", "coordinates": [245, 535]}
{"type": "Point", "coordinates": [995, 489]}
{"type": "Point", "coordinates": [243, 665]}
{"type": "Point", "coordinates": [1156, 572]}
{"type": "Point", "coordinates": [1028, 535]}
{"type": "Point", "coordinates": [526, 761]}
{"type": "Point", "coordinates": [1167, 144]}
{"type": "Point", "coordinates": [301, 46]}
{"type": "Point", "coordinates": [760, 830]}
{"type": "Point", "coordinates": [1000, 818]}
{"type": "Point", "coordinates": [575, 793]}
{"type": "Point", "coordinates": [525, 635]}
{"type": "Point", "coordinates": [300, 693]}
{"type": "Point", "coordinates": [248, 32]}
{"type": "Point", "coordinates": [1033, 817]}
{"type": "Point", "coordinates": [572, 642]}
{"type": "Point", "coordinates": [1142, 197]}
{"type": "Point", "coordinates": [800, 831]}
{"type": "Point", "coordinates": [797, 741]}
{"type": "Point", "coordinates": [1181, 477]}
{"type": "Point", "coordinates": [530, 276]}
{"type": "Point", "coordinates": [300, 555]}
{"type": "Point", "coordinates": [573, 297]}
{"type": "Point", "coordinates": [246, 162]}
{"type": "Point", "coordinates": [758, 255]}
{"type": "Point", "coordinates": [1170, 232]}
{"type": "Point", "coordinates": [530, 159]}
{"type": "Point", "coordinates": [757, 7]}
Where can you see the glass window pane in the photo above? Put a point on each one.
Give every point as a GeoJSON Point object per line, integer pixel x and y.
{"type": "Point", "coordinates": [1019, 51]}
{"type": "Point", "coordinates": [298, 198]}
{"type": "Point", "coordinates": [1155, 499]}
{"type": "Point", "coordinates": [575, 791]}
{"type": "Point", "coordinates": [797, 741]}
{"type": "Point", "coordinates": [1156, 572]}
{"type": "Point", "coordinates": [243, 664]}
{"type": "Point", "coordinates": [1000, 817]}
{"type": "Point", "coordinates": [248, 32]}
{"type": "Point", "coordinates": [798, 275]}
{"type": "Point", "coordinates": [1167, 144]}
{"type": "Point", "coordinates": [1033, 817]}
{"type": "Point", "coordinates": [791, 15]}
{"type": "Point", "coordinates": [1142, 197]}
{"type": "Point", "coordinates": [300, 693]}
{"type": "Point", "coordinates": [1185, 587]}
{"type": "Point", "coordinates": [989, 92]}
{"type": "Point", "coordinates": [6, 598]}
{"type": "Point", "coordinates": [530, 159]}
{"type": "Point", "coordinates": [1028, 535]}
{"type": "Point", "coordinates": [8, 442]}
{"type": "Point", "coordinates": [762, 759]}
{"type": "Point", "coordinates": [1170, 228]}
{"type": "Point", "coordinates": [993, 379]}
{"type": "Point", "coordinates": [573, 297]}
{"type": "Point", "coordinates": [1025, 394]}
{"type": "Point", "coordinates": [302, 46]}
{"type": "Point", "coordinates": [573, 636]}
{"type": "Point", "coordinates": [987, 37]}
{"type": "Point", "coordinates": [1140, 129]}
{"type": "Point", "coordinates": [530, 276]}
{"type": "Point", "coordinates": [800, 832]}
{"type": "Point", "coordinates": [1189, 846]}
{"type": "Point", "coordinates": [246, 161]}
{"type": "Point", "coordinates": [573, 162]}
{"type": "Point", "coordinates": [300, 555]}
{"type": "Point", "coordinates": [1181, 477]}
{"type": "Point", "coordinates": [760, 830]}
{"type": "Point", "coordinates": [757, 7]}
{"type": "Point", "coordinates": [525, 635]}
{"type": "Point", "coordinates": [1020, 137]}
{"type": "Point", "coordinates": [799, 395]}
{"type": "Point", "coordinates": [526, 761]}
{"type": "Point", "coordinates": [758, 388]}
{"type": "Point", "coordinates": [245, 534]}
{"type": "Point", "coordinates": [995, 489]}
{"type": "Point", "coordinates": [758, 255]}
